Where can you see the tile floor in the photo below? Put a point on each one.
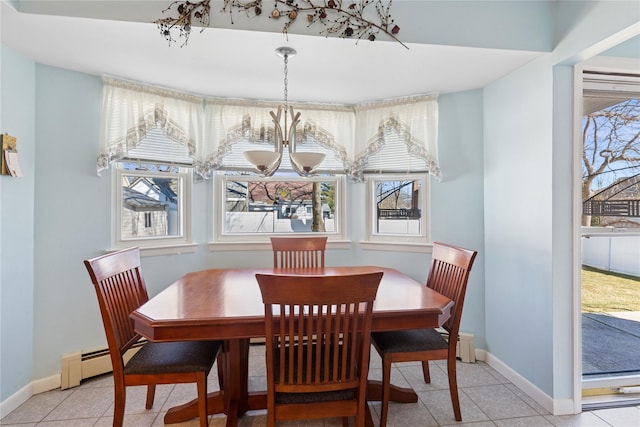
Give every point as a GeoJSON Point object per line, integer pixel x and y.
{"type": "Point", "coordinates": [486, 398]}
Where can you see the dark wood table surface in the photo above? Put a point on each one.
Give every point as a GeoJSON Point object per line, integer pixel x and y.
{"type": "Point", "coordinates": [226, 304]}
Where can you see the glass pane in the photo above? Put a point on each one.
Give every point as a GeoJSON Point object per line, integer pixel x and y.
{"type": "Point", "coordinates": [611, 162]}
{"type": "Point", "coordinates": [397, 209]}
{"type": "Point", "coordinates": [610, 276]}
{"type": "Point", "coordinates": [266, 206]}
{"type": "Point", "coordinates": [150, 205]}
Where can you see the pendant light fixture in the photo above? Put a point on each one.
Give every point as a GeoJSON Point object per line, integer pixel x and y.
{"type": "Point", "coordinates": [268, 162]}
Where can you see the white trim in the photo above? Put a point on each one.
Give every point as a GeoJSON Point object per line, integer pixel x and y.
{"type": "Point", "coordinates": [621, 381]}
{"type": "Point", "coordinates": [576, 256]}
{"type": "Point", "coordinates": [249, 240]}
{"type": "Point", "coordinates": [147, 251]}
{"type": "Point", "coordinates": [266, 245]}
{"type": "Point", "coordinates": [184, 238]}
{"type": "Point", "coordinates": [607, 65]}
{"type": "Point", "coordinates": [555, 406]}
{"type": "Point", "coordinates": [610, 232]}
{"type": "Point", "coordinates": [21, 396]}
{"type": "Point", "coordinates": [15, 400]}
{"type": "Point", "coordinates": [187, 248]}
{"type": "Point", "coordinates": [425, 219]}
{"type": "Point", "coordinates": [423, 248]}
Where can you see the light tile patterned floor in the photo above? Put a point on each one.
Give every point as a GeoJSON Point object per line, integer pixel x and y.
{"type": "Point", "coordinates": [486, 398]}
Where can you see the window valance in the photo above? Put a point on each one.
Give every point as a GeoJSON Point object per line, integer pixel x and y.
{"type": "Point", "coordinates": [130, 111]}
{"type": "Point", "coordinates": [399, 135]}
{"type": "Point", "coordinates": [212, 133]}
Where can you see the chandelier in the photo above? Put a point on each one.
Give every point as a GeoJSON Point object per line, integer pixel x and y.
{"type": "Point", "coordinates": [266, 162]}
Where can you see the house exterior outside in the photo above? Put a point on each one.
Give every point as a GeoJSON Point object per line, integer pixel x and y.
{"type": "Point", "coordinates": [149, 208]}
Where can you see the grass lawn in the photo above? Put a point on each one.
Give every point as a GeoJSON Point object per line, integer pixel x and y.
{"type": "Point", "coordinates": [604, 291]}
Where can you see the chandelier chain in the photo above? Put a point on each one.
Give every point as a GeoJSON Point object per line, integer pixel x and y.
{"type": "Point", "coordinates": [286, 82]}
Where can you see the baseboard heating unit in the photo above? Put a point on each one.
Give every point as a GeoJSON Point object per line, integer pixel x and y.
{"type": "Point", "coordinates": [465, 351]}
{"type": "Point", "coordinates": [79, 366]}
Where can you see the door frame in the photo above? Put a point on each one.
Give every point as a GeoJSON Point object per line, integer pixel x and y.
{"type": "Point", "coordinates": [601, 64]}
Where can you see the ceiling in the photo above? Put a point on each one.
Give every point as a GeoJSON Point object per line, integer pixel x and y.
{"type": "Point", "coordinates": [224, 62]}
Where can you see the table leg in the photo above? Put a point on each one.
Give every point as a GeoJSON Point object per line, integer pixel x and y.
{"type": "Point", "coordinates": [396, 394]}
{"type": "Point", "coordinates": [234, 400]}
{"type": "Point", "coordinates": [236, 378]}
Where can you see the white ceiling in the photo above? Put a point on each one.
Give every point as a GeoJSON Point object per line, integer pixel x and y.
{"type": "Point", "coordinates": [242, 64]}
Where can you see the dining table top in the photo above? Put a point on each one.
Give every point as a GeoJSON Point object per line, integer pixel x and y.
{"type": "Point", "coordinates": [227, 303]}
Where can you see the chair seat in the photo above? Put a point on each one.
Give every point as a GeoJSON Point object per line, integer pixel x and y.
{"type": "Point", "coordinates": [173, 357]}
{"type": "Point", "coordinates": [409, 341]}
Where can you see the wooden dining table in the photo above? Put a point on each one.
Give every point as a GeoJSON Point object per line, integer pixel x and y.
{"type": "Point", "coordinates": [226, 304]}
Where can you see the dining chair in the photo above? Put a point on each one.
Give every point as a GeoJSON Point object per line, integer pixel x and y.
{"type": "Point", "coordinates": [317, 362]}
{"type": "Point", "coordinates": [298, 252]}
{"type": "Point", "coordinates": [120, 286]}
{"type": "Point", "coordinates": [448, 275]}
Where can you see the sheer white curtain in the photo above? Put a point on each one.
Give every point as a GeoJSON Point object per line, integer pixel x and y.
{"type": "Point", "coordinates": [130, 111]}
{"type": "Point", "coordinates": [234, 126]}
{"type": "Point", "coordinates": [398, 135]}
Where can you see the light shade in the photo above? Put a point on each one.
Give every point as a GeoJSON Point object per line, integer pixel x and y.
{"type": "Point", "coordinates": [306, 161]}
{"type": "Point", "coordinates": [263, 160]}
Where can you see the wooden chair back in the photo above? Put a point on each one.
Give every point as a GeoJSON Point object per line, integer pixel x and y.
{"type": "Point", "coordinates": [298, 252]}
{"type": "Point", "coordinates": [121, 289]}
{"type": "Point", "coordinates": [448, 275]}
{"type": "Point", "coordinates": [324, 349]}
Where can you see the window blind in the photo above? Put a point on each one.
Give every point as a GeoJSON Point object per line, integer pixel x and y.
{"type": "Point", "coordinates": [156, 146]}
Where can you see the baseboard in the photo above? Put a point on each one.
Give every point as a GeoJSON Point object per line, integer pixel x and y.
{"type": "Point", "coordinates": [15, 400]}
{"type": "Point", "coordinates": [22, 395]}
{"type": "Point", "coordinates": [554, 406]}
{"type": "Point", "coordinates": [46, 384]}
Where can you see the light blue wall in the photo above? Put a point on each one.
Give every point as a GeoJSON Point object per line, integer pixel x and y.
{"type": "Point", "coordinates": [458, 200]}
{"type": "Point", "coordinates": [71, 214]}
{"type": "Point", "coordinates": [529, 264]}
{"type": "Point", "coordinates": [628, 49]}
{"type": "Point", "coordinates": [17, 118]}
{"type": "Point", "coordinates": [528, 24]}
{"type": "Point", "coordinates": [518, 253]}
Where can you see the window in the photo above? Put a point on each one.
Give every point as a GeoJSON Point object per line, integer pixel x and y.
{"type": "Point", "coordinates": [252, 206]}
{"type": "Point", "coordinates": [147, 220]}
{"type": "Point", "coordinates": [398, 208]}
{"type": "Point", "coordinates": [151, 194]}
{"type": "Point", "coordinates": [151, 204]}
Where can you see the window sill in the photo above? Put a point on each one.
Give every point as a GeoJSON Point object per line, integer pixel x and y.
{"type": "Point", "coordinates": [369, 245]}
{"type": "Point", "coordinates": [266, 245]}
{"type": "Point", "coordinates": [176, 249]}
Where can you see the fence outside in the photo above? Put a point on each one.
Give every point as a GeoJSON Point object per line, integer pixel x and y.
{"type": "Point", "coordinates": [611, 250]}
